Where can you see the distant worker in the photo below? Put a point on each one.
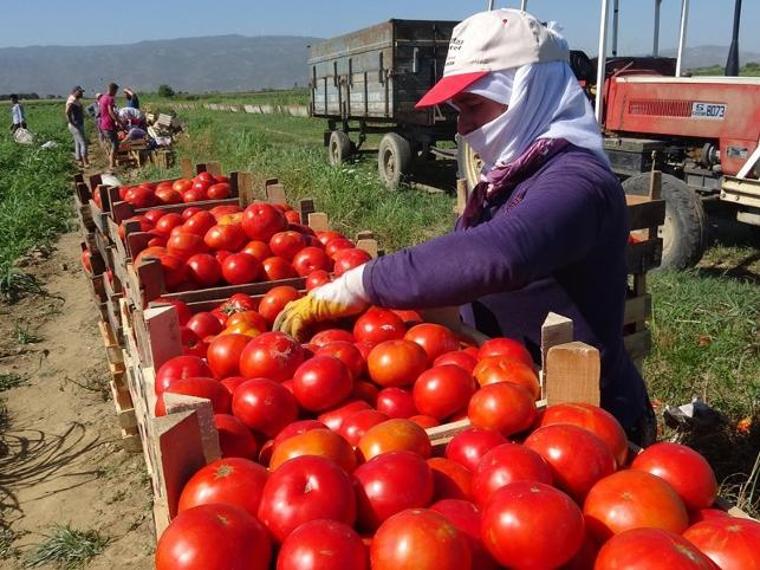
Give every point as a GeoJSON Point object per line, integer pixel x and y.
{"type": "Point", "coordinates": [109, 122]}
{"type": "Point", "coordinates": [131, 117]}
{"type": "Point", "coordinates": [75, 117]}
{"type": "Point", "coordinates": [132, 100]}
{"type": "Point", "coordinates": [18, 119]}
{"type": "Point", "coordinates": [92, 109]}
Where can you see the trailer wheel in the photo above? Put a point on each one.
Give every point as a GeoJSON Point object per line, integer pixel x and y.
{"type": "Point", "coordinates": [339, 148]}
{"type": "Point", "coordinates": [394, 158]}
{"type": "Point", "coordinates": [684, 233]}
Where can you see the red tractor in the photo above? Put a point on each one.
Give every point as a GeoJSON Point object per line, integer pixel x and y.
{"type": "Point", "coordinates": [703, 133]}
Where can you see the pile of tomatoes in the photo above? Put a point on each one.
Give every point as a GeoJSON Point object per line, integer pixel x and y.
{"type": "Point", "coordinates": [204, 186]}
{"type": "Point", "coordinates": [326, 462]}
{"type": "Point", "coordinates": [230, 245]}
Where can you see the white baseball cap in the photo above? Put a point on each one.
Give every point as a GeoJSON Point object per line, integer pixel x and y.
{"type": "Point", "coordinates": [493, 41]}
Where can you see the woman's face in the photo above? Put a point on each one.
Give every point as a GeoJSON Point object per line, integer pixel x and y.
{"type": "Point", "coordinates": [475, 111]}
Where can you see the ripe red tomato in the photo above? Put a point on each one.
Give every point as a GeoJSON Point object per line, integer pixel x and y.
{"type": "Point", "coordinates": [651, 548]}
{"type": "Point", "coordinates": [235, 439]}
{"type": "Point", "coordinates": [199, 223]}
{"type": "Point", "coordinates": [323, 544]}
{"type": "Point", "coordinates": [180, 367]}
{"type": "Point", "coordinates": [347, 353]}
{"type": "Point", "coordinates": [396, 363]}
{"type": "Point", "coordinates": [275, 300]}
{"type": "Point", "coordinates": [224, 354]}
{"type": "Point", "coordinates": [261, 221]}
{"type": "Point", "coordinates": [219, 191]}
{"type": "Point", "coordinates": [303, 489]}
{"type": "Point", "coordinates": [311, 259]}
{"type": "Point", "coordinates": [287, 244]}
{"type": "Point", "coordinates": [204, 324]}
{"type": "Point", "coordinates": [333, 246]}
{"type": "Point", "coordinates": [442, 391]}
{"type": "Point", "coordinates": [184, 245]}
{"type": "Point", "coordinates": [505, 464]}
{"type": "Point", "coordinates": [378, 325]}
{"type": "Point", "coordinates": [596, 420]}
{"type": "Point", "coordinates": [451, 480]}
{"type": "Point", "coordinates": [240, 268]}
{"type": "Point", "coordinates": [394, 435]}
{"type": "Point", "coordinates": [276, 268]}
{"type": "Point", "coordinates": [328, 336]}
{"type": "Point", "coordinates": [434, 339]}
{"type": "Point", "coordinates": [236, 536]}
{"type": "Point", "coordinates": [183, 311]}
{"type": "Point", "coordinates": [457, 358]}
{"type": "Point", "coordinates": [505, 407]}
{"type": "Point", "coordinates": [321, 383]}
{"type": "Point", "coordinates": [706, 515]}
{"type": "Point", "coordinates": [192, 345]}
{"type": "Point", "coordinates": [204, 269]}
{"type": "Point", "coordinates": [358, 423]}
{"type": "Point", "coordinates": [189, 212]}
{"type": "Point", "coordinates": [168, 222]}
{"type": "Point", "coordinates": [264, 406]}
{"type": "Point", "coordinates": [235, 481]}
{"type": "Point", "coordinates": [316, 279]}
{"type": "Point", "coordinates": [258, 249]}
{"type": "Point", "coordinates": [334, 418]}
{"type": "Point", "coordinates": [272, 355]}
{"type": "Point", "coordinates": [388, 484]}
{"type": "Point", "coordinates": [228, 237]}
{"type": "Point", "coordinates": [396, 403]}
{"type": "Point", "coordinates": [247, 320]}
{"type": "Point", "coordinates": [86, 260]}
{"type": "Point", "coordinates": [531, 525]}
{"type": "Point", "coordinates": [506, 347]}
{"type": "Point", "coordinates": [495, 369]}
{"type": "Point", "coordinates": [633, 499]}
{"type": "Point", "coordinates": [409, 316]}
{"type": "Point", "coordinates": [687, 471]}
{"type": "Point", "coordinates": [365, 391]}
{"type": "Point", "coordinates": [200, 388]}
{"type": "Point", "coordinates": [469, 446]}
{"type": "Point", "coordinates": [421, 539]}
{"type": "Point", "coordinates": [315, 442]}
{"type": "Point", "coordinates": [731, 543]}
{"type": "Point", "coordinates": [140, 197]}
{"type": "Point", "coordinates": [168, 196]}
{"type": "Point", "coordinates": [324, 237]}
{"type": "Point", "coordinates": [346, 259]}
{"type": "Point", "coordinates": [182, 185]}
{"type": "Point", "coordinates": [297, 428]}
{"type": "Point", "coordinates": [194, 195]}
{"type": "Point", "coordinates": [465, 516]}
{"type": "Point", "coordinates": [174, 270]}
{"type": "Point", "coordinates": [154, 215]}
{"type": "Point", "coordinates": [424, 421]}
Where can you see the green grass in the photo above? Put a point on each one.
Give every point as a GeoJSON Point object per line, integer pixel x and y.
{"type": "Point", "coordinates": [751, 69]}
{"type": "Point", "coordinates": [67, 548]}
{"type": "Point", "coordinates": [10, 380]}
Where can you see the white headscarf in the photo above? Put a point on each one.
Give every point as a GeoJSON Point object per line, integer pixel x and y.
{"type": "Point", "coordinates": [545, 101]}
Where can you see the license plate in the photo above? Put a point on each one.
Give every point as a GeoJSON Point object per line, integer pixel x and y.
{"type": "Point", "coordinates": [708, 110]}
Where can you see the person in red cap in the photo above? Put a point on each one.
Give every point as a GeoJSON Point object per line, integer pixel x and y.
{"type": "Point", "coordinates": [546, 228]}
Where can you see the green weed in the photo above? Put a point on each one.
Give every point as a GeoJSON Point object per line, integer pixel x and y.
{"type": "Point", "coordinates": [24, 335]}
{"type": "Point", "coordinates": [10, 380]}
{"type": "Point", "coordinates": [67, 548]}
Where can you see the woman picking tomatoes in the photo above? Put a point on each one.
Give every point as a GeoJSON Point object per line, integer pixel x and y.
{"type": "Point", "coordinates": [544, 230]}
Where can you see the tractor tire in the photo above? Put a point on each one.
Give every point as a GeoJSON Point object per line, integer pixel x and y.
{"type": "Point", "coordinates": [685, 231]}
{"type": "Point", "coordinates": [394, 160]}
{"type": "Point", "coordinates": [339, 148]}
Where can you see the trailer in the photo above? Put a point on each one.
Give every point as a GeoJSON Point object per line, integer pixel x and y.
{"type": "Point", "coordinates": [367, 82]}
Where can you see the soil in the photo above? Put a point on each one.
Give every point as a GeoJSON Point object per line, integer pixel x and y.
{"type": "Point", "coordinates": [61, 461]}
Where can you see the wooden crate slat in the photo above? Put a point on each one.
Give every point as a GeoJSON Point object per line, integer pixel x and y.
{"type": "Point", "coordinates": [646, 213]}
{"type": "Point", "coordinates": [572, 374]}
{"type": "Point", "coordinates": [643, 256]}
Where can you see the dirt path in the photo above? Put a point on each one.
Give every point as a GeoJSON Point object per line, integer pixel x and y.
{"type": "Point", "coordinates": [60, 457]}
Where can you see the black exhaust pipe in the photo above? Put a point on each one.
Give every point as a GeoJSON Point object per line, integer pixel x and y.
{"type": "Point", "coordinates": [732, 64]}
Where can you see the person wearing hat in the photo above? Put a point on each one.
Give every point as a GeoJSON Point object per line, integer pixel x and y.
{"type": "Point", "coordinates": [75, 118]}
{"type": "Point", "coordinates": [545, 229]}
{"type": "Point", "coordinates": [132, 100]}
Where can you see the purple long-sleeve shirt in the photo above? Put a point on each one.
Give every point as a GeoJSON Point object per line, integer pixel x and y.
{"type": "Point", "coordinates": [556, 243]}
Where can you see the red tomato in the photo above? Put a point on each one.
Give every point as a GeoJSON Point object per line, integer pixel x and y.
{"type": "Point", "coordinates": [434, 339]}
{"type": "Point", "coordinates": [596, 420]}
{"type": "Point", "coordinates": [297, 428]}
{"type": "Point", "coordinates": [287, 244]}
{"type": "Point", "coordinates": [182, 185]}
{"type": "Point", "coordinates": [346, 259]}
{"type": "Point", "coordinates": [457, 358]}
{"type": "Point", "coordinates": [235, 534]}
{"type": "Point", "coordinates": [311, 259]}
{"type": "Point", "coordinates": [316, 279]}
{"type": "Point", "coordinates": [323, 544]}
{"type": "Point", "coordinates": [227, 213]}
{"type": "Point", "coordinates": [358, 423]}
{"type": "Point", "coordinates": [180, 367]}
{"type": "Point", "coordinates": [389, 483]}
{"type": "Point", "coordinates": [504, 464]}
{"type": "Point", "coordinates": [325, 236]}
{"type": "Point", "coordinates": [450, 479]}
{"type": "Point", "coordinates": [167, 223]}
{"type": "Point", "coordinates": [469, 446]}
{"type": "Point", "coordinates": [731, 543]}
{"type": "Point", "coordinates": [505, 407]}
{"type": "Point", "coordinates": [219, 191]}
{"type": "Point", "coordinates": [229, 238]}
{"type": "Point", "coordinates": [396, 362]}
{"type": "Point", "coordinates": [194, 195]}
{"type": "Point", "coordinates": [424, 421]}
{"type": "Point", "coordinates": [465, 516]}
{"type": "Point", "coordinates": [258, 249]}
{"type": "Point", "coordinates": [184, 245]}
{"type": "Point", "coordinates": [304, 489]}
{"type": "Point", "coordinates": [192, 345]}
{"type": "Point", "coordinates": [261, 221]}
{"type": "Point", "coordinates": [651, 548]}
{"type": "Point", "coordinates": [321, 383]}
{"type": "Point", "coordinates": [632, 499]}
{"type": "Point", "coordinates": [506, 347]}
{"type": "Point", "coordinates": [204, 325]}
{"type": "Point", "coordinates": [247, 320]}
{"type": "Point", "coordinates": [442, 391]}
{"type": "Point", "coordinates": [86, 260]}
{"type": "Point", "coordinates": [315, 442]}
{"type": "Point", "coordinates": [140, 197]}
{"type": "Point", "coordinates": [232, 382]}
{"type": "Point", "coordinates": [168, 196]}
{"type": "Point", "coordinates": [276, 268]}
{"type": "Point", "coordinates": [347, 353]}
{"type": "Point", "coordinates": [378, 325]}
{"type": "Point", "coordinates": [395, 435]}
{"type": "Point", "coordinates": [495, 369]}
{"type": "Point", "coordinates": [199, 223]}
{"type": "Point", "coordinates": [235, 481]}
{"type": "Point", "coordinates": [334, 418]}
{"type": "Point", "coordinates": [272, 355]}
{"type": "Point", "coordinates": [396, 403]}
{"type": "Point", "coordinates": [224, 354]}
{"type": "Point", "coordinates": [235, 439]}
{"type": "Point", "coordinates": [409, 316]}
{"type": "Point", "coordinates": [328, 336]}
{"type": "Point", "coordinates": [200, 388]}
{"type": "Point", "coordinates": [153, 215]}
{"type": "Point", "coordinates": [366, 391]}
{"type": "Point", "coordinates": [333, 246]}
{"type": "Point", "coordinates": [706, 515]}
{"type": "Point", "coordinates": [204, 269]}
{"type": "Point", "coordinates": [264, 406]}
{"type": "Point", "coordinates": [421, 539]}
{"type": "Point", "coordinates": [531, 525]}
{"type": "Point", "coordinates": [188, 213]}
{"type": "Point", "coordinates": [174, 270]}
{"type": "Point", "coordinates": [240, 268]}
{"type": "Point", "coordinates": [275, 300]}
{"type": "Point", "coordinates": [687, 471]}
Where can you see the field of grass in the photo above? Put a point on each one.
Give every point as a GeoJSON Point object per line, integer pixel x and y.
{"type": "Point", "coordinates": [751, 69]}
{"type": "Point", "coordinates": [279, 97]}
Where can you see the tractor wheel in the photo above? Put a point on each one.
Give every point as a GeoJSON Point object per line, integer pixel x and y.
{"type": "Point", "coordinates": [684, 233]}
{"type": "Point", "coordinates": [394, 159]}
{"type": "Point", "coordinates": [468, 163]}
{"type": "Point", "coordinates": [339, 148]}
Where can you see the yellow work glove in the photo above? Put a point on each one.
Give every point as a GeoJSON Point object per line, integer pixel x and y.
{"type": "Point", "coordinates": [343, 297]}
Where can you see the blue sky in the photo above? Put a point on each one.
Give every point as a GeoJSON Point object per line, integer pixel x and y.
{"type": "Point", "coordinates": [53, 22]}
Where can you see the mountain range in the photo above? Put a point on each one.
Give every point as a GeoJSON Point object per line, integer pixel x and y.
{"type": "Point", "coordinates": [197, 65]}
